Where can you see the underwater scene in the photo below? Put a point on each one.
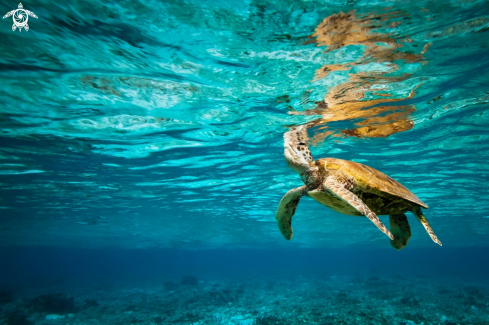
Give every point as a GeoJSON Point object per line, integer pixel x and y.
{"type": "Point", "coordinates": [244, 162]}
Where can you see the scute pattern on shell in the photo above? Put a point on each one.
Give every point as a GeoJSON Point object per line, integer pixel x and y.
{"type": "Point", "coordinates": [370, 179]}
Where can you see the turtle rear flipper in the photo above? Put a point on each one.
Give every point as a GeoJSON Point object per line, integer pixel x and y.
{"type": "Point", "coordinates": [286, 210]}
{"type": "Point", "coordinates": [338, 189]}
{"type": "Point", "coordinates": [400, 229]}
{"type": "Point", "coordinates": [26, 27]}
{"type": "Point", "coordinates": [421, 218]}
{"type": "Point", "coordinates": [14, 27]}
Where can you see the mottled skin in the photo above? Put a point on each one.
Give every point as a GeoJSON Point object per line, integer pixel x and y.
{"type": "Point", "coordinates": [349, 188]}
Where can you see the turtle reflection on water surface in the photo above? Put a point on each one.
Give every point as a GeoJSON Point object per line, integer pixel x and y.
{"type": "Point", "coordinates": [349, 188]}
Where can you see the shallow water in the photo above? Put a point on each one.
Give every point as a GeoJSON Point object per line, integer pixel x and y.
{"type": "Point", "coordinates": [158, 127]}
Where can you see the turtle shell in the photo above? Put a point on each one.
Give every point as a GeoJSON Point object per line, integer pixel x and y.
{"type": "Point", "coordinates": [369, 179]}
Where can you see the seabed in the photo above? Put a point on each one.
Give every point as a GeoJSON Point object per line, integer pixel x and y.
{"type": "Point", "coordinates": [331, 300]}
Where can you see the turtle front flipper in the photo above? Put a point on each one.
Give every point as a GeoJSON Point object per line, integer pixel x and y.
{"type": "Point", "coordinates": [400, 229]}
{"type": "Point", "coordinates": [286, 210]}
{"type": "Point", "coordinates": [337, 188]}
{"type": "Point", "coordinates": [421, 218]}
{"type": "Point", "coordinates": [8, 14]}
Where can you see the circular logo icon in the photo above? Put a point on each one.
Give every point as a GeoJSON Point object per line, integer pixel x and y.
{"type": "Point", "coordinates": [20, 18]}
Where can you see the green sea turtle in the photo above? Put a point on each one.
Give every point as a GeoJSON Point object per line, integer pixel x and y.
{"type": "Point", "coordinates": [349, 188]}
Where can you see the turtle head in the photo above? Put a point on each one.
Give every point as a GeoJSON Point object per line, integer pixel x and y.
{"type": "Point", "coordinates": [297, 153]}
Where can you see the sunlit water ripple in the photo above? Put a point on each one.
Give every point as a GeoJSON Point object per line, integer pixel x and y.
{"type": "Point", "coordinates": [141, 124]}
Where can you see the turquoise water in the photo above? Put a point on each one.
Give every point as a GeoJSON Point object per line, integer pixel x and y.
{"type": "Point", "coordinates": [158, 127]}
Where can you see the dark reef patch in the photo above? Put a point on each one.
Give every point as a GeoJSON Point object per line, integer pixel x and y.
{"type": "Point", "coordinates": [189, 280]}
{"type": "Point", "coordinates": [53, 303]}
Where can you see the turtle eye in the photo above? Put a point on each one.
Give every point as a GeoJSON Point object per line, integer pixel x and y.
{"type": "Point", "coordinates": [302, 144]}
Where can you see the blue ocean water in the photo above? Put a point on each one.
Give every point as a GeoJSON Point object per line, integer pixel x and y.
{"type": "Point", "coordinates": [142, 160]}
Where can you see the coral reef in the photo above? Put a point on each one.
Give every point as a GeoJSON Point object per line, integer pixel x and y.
{"type": "Point", "coordinates": [285, 300]}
